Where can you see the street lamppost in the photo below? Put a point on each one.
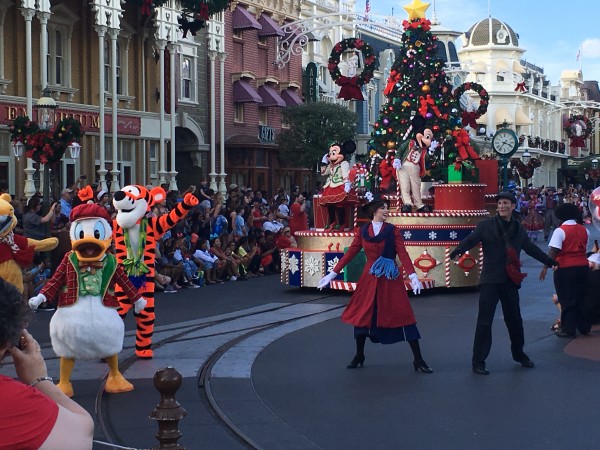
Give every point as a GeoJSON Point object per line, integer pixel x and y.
{"type": "Point", "coordinates": [45, 107]}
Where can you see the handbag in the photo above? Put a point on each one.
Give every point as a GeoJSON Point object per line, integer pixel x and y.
{"type": "Point", "coordinates": [513, 267]}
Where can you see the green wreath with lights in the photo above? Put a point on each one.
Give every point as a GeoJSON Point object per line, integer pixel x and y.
{"type": "Point", "coordinates": [369, 59]}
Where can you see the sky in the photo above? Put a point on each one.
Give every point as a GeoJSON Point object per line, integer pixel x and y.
{"type": "Point", "coordinates": [551, 31]}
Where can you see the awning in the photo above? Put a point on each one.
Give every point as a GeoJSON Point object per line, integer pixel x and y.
{"type": "Point", "coordinates": [270, 97]}
{"type": "Point", "coordinates": [482, 119]}
{"type": "Point", "coordinates": [244, 93]}
{"type": "Point", "coordinates": [501, 66]}
{"type": "Point", "coordinates": [290, 97]}
{"type": "Point", "coordinates": [243, 20]}
{"type": "Point", "coordinates": [269, 27]}
{"type": "Point", "coordinates": [521, 118]}
{"type": "Point", "coordinates": [517, 67]}
{"type": "Point", "coordinates": [502, 115]}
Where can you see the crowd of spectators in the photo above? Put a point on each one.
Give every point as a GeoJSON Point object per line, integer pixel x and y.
{"type": "Point", "coordinates": [220, 240]}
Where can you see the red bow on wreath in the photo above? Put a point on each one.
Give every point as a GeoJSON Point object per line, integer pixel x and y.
{"type": "Point", "coordinates": [521, 87]}
{"type": "Point", "coordinates": [424, 23]}
{"type": "Point", "coordinates": [146, 8]}
{"type": "Point", "coordinates": [469, 117]}
{"type": "Point", "coordinates": [425, 103]}
{"type": "Point", "coordinates": [350, 89]}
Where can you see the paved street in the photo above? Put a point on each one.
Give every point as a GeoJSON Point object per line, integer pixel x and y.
{"type": "Point", "coordinates": [264, 366]}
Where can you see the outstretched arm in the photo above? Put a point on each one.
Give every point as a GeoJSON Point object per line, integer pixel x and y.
{"type": "Point", "coordinates": [168, 221]}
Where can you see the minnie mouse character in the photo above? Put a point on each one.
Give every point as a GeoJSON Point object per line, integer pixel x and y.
{"type": "Point", "coordinates": [337, 192]}
{"type": "Point", "coordinates": [410, 165]}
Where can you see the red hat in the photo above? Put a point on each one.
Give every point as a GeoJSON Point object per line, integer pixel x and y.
{"type": "Point", "coordinates": [88, 211]}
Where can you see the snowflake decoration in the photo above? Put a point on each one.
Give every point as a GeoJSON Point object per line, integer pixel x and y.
{"type": "Point", "coordinates": [312, 265]}
{"type": "Point", "coordinates": [407, 234]}
{"type": "Point", "coordinates": [453, 235]}
{"type": "Point", "coordinates": [433, 235]}
{"type": "Point", "coordinates": [293, 264]}
{"type": "Point", "coordinates": [332, 263]}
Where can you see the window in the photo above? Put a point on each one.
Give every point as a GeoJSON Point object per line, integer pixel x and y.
{"type": "Point", "coordinates": [55, 58]}
{"type": "Point", "coordinates": [107, 67]}
{"type": "Point", "coordinates": [125, 164]}
{"type": "Point", "coordinates": [500, 77]}
{"type": "Point", "coordinates": [186, 78]}
{"type": "Point", "coordinates": [60, 28]}
{"type": "Point", "coordinates": [153, 156]}
{"type": "Point", "coordinates": [262, 40]}
{"type": "Point", "coordinates": [238, 113]}
{"type": "Point", "coordinates": [263, 117]}
{"type": "Point", "coordinates": [238, 34]}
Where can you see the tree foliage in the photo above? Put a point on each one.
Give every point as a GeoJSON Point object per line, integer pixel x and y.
{"type": "Point", "coordinates": [312, 127]}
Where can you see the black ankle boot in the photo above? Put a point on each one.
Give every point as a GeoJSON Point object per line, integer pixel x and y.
{"type": "Point", "coordinates": [422, 366]}
{"type": "Point", "coordinates": [357, 361]}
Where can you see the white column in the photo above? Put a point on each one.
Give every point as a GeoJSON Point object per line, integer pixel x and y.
{"type": "Point", "coordinates": [222, 175]}
{"type": "Point", "coordinates": [114, 185]}
{"type": "Point", "coordinates": [43, 17]}
{"type": "Point", "coordinates": [29, 170]}
{"type": "Point", "coordinates": [162, 173]}
{"type": "Point", "coordinates": [102, 133]}
{"type": "Point", "coordinates": [173, 181]}
{"type": "Point", "coordinates": [213, 119]}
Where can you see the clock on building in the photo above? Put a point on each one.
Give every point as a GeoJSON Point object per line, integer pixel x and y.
{"type": "Point", "coordinates": [505, 142]}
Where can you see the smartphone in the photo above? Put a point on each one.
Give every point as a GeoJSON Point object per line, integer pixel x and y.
{"type": "Point", "coordinates": [20, 342]}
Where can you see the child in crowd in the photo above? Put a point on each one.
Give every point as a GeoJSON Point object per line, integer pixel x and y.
{"type": "Point", "coordinates": [35, 278]}
{"type": "Point", "coordinates": [209, 261]}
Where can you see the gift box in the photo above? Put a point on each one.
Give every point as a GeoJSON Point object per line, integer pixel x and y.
{"type": "Point", "coordinates": [488, 174]}
{"type": "Point", "coordinates": [463, 174]}
{"type": "Point", "coordinates": [354, 269]}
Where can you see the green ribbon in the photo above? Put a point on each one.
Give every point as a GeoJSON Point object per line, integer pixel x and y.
{"type": "Point", "coordinates": [134, 264]}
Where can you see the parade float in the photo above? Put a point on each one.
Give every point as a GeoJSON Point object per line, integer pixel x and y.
{"type": "Point", "coordinates": [422, 134]}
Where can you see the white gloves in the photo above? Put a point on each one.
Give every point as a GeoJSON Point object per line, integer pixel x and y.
{"type": "Point", "coordinates": [327, 279]}
{"type": "Point", "coordinates": [415, 283]}
{"type": "Point", "coordinates": [139, 305]}
{"type": "Point", "coordinates": [433, 146]}
{"type": "Point", "coordinates": [347, 186]}
{"type": "Point", "coordinates": [396, 164]}
{"type": "Point", "coordinates": [36, 301]}
{"type": "Point", "coordinates": [325, 159]}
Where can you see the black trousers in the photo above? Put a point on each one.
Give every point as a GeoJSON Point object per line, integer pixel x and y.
{"type": "Point", "coordinates": [571, 284]}
{"type": "Point", "coordinates": [508, 295]}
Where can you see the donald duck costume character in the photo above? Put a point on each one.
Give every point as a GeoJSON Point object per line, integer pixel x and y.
{"type": "Point", "coordinates": [86, 324]}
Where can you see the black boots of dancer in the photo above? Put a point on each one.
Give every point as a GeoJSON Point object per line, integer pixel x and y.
{"type": "Point", "coordinates": [418, 362]}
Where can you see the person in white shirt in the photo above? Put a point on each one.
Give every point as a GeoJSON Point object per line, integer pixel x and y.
{"type": "Point", "coordinates": [272, 224]}
{"type": "Point", "coordinates": [283, 211]}
{"type": "Point", "coordinates": [209, 261]}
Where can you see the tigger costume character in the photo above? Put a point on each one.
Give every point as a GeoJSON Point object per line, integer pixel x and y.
{"type": "Point", "coordinates": [136, 237]}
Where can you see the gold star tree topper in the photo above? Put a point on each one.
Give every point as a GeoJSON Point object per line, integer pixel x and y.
{"type": "Point", "coordinates": [416, 9]}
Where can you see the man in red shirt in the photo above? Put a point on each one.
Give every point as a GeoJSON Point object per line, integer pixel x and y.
{"type": "Point", "coordinates": [298, 218]}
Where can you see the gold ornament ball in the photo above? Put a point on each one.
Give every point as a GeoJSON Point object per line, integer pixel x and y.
{"type": "Point", "coordinates": [391, 145]}
{"type": "Point", "coordinates": [425, 88]}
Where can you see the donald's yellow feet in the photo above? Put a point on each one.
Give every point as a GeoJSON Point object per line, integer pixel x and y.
{"type": "Point", "coordinates": [66, 387]}
{"type": "Point", "coordinates": [117, 383]}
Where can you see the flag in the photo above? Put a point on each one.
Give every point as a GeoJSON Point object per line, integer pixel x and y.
{"type": "Point", "coordinates": [578, 52]}
{"type": "Point", "coordinates": [368, 7]}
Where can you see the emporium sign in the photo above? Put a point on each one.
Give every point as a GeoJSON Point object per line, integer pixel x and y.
{"type": "Point", "coordinates": [90, 120]}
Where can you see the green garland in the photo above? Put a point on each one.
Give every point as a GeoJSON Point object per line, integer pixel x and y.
{"type": "Point", "coordinates": [369, 59]}
{"type": "Point", "coordinates": [45, 147]}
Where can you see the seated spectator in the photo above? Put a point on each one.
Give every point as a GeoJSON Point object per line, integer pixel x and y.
{"type": "Point", "coordinates": [257, 215]}
{"type": "Point", "coordinates": [209, 261]}
{"type": "Point", "coordinates": [182, 255]}
{"type": "Point", "coordinates": [172, 272]}
{"type": "Point", "coordinates": [34, 412]}
{"type": "Point", "coordinates": [269, 256]}
{"type": "Point", "coordinates": [247, 249]}
{"type": "Point", "coordinates": [230, 265]}
{"type": "Point", "coordinates": [285, 240]}
{"type": "Point", "coordinates": [272, 224]}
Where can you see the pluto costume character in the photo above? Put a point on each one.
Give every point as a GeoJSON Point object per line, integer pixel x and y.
{"type": "Point", "coordinates": [410, 166]}
{"type": "Point", "coordinates": [16, 251]}
{"type": "Point", "coordinates": [136, 237]}
{"type": "Point", "coordinates": [86, 324]}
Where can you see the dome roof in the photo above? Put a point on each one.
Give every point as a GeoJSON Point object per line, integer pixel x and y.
{"type": "Point", "coordinates": [492, 31]}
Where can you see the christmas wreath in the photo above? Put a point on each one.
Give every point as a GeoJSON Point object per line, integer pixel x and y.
{"type": "Point", "coordinates": [586, 129]}
{"type": "Point", "coordinates": [469, 117]}
{"type": "Point", "coordinates": [194, 13]}
{"type": "Point", "coordinates": [45, 147]}
{"type": "Point", "coordinates": [351, 86]}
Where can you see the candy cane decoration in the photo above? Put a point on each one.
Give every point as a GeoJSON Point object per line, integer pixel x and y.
{"type": "Point", "coordinates": [447, 266]}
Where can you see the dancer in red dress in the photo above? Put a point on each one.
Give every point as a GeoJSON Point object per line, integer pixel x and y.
{"type": "Point", "coordinates": [379, 308]}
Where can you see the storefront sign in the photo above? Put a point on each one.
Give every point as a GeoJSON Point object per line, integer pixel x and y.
{"type": "Point", "coordinates": [90, 120]}
{"type": "Point", "coordinates": [311, 87]}
{"type": "Point", "coordinates": [266, 134]}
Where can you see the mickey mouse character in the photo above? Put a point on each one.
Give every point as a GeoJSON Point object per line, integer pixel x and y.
{"type": "Point", "coordinates": [337, 192]}
{"type": "Point", "coordinates": [410, 165]}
